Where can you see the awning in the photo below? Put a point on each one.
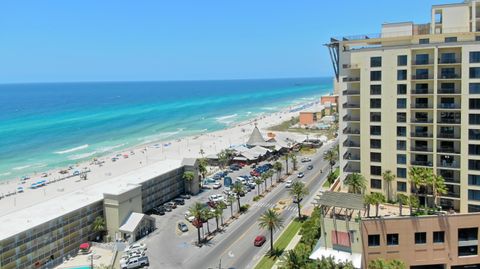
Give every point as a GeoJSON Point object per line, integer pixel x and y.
{"type": "Point", "coordinates": [133, 221]}
{"type": "Point", "coordinates": [339, 256]}
{"type": "Point", "coordinates": [85, 246]}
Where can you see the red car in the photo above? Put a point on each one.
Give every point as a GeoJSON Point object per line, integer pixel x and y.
{"type": "Point", "coordinates": [259, 240]}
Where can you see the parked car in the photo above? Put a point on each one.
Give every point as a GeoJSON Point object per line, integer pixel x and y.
{"type": "Point", "coordinates": [288, 184]}
{"type": "Point", "coordinates": [184, 196]}
{"type": "Point", "coordinates": [168, 208]}
{"type": "Point", "coordinates": [259, 240]}
{"type": "Point", "coordinates": [135, 263]}
{"type": "Point", "coordinates": [135, 246]}
{"type": "Point", "coordinates": [215, 198]}
{"type": "Point", "coordinates": [310, 167]}
{"type": "Point", "coordinates": [158, 210]}
{"type": "Point", "coordinates": [300, 175]}
{"type": "Point", "coordinates": [179, 201]}
{"type": "Point", "coordinates": [217, 185]}
{"type": "Point", "coordinates": [171, 204]}
{"type": "Point", "coordinates": [188, 216]}
{"type": "Point", "coordinates": [182, 227]}
{"type": "Point", "coordinates": [306, 160]}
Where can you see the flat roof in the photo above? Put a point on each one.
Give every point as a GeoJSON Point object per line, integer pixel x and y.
{"type": "Point", "coordinates": [40, 213]}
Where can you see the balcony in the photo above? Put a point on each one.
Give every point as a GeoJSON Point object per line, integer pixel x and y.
{"type": "Point", "coordinates": [422, 163]}
{"type": "Point", "coordinates": [351, 79]}
{"type": "Point", "coordinates": [422, 77]}
{"type": "Point", "coordinates": [451, 194]}
{"type": "Point", "coordinates": [448, 106]}
{"type": "Point", "coordinates": [351, 144]}
{"type": "Point", "coordinates": [350, 66]}
{"type": "Point", "coordinates": [448, 150]}
{"type": "Point", "coordinates": [421, 148]}
{"type": "Point", "coordinates": [350, 118]}
{"type": "Point", "coordinates": [449, 91]}
{"type": "Point", "coordinates": [351, 131]}
{"type": "Point", "coordinates": [351, 157]}
{"type": "Point", "coordinates": [449, 61]}
{"type": "Point", "coordinates": [446, 164]}
{"type": "Point", "coordinates": [351, 92]}
{"type": "Point", "coordinates": [421, 120]}
{"type": "Point", "coordinates": [448, 136]}
{"type": "Point", "coordinates": [450, 76]}
{"type": "Point", "coordinates": [422, 62]}
{"type": "Point", "coordinates": [422, 91]}
{"type": "Point", "coordinates": [451, 180]}
{"type": "Point", "coordinates": [422, 106]}
{"type": "Point", "coordinates": [449, 121]}
{"type": "Point", "coordinates": [351, 105]}
{"type": "Point", "coordinates": [351, 169]}
{"type": "Point", "coordinates": [421, 134]}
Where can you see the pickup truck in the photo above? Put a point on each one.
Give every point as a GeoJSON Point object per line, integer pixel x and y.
{"type": "Point", "coordinates": [136, 262]}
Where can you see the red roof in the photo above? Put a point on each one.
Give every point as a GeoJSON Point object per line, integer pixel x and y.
{"type": "Point", "coordinates": [85, 246]}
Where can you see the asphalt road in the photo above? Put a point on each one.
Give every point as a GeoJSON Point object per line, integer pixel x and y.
{"type": "Point", "coordinates": [233, 248]}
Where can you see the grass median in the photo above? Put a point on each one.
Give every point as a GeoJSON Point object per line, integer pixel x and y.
{"type": "Point", "coordinates": [280, 244]}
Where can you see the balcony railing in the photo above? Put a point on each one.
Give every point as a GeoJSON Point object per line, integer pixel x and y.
{"type": "Point", "coordinates": [451, 194]}
{"type": "Point", "coordinates": [449, 91]}
{"type": "Point", "coordinates": [422, 120]}
{"type": "Point", "coordinates": [445, 164]}
{"type": "Point", "coordinates": [348, 66]}
{"type": "Point", "coordinates": [349, 169]}
{"type": "Point", "coordinates": [351, 157]}
{"type": "Point", "coordinates": [449, 106]}
{"type": "Point", "coordinates": [351, 79]}
{"type": "Point", "coordinates": [448, 150]}
{"type": "Point", "coordinates": [449, 76]}
{"type": "Point", "coordinates": [449, 61]}
{"type": "Point", "coordinates": [351, 131]}
{"type": "Point", "coordinates": [448, 136]}
{"type": "Point", "coordinates": [421, 134]}
{"type": "Point", "coordinates": [422, 77]}
{"type": "Point", "coordinates": [422, 62]}
{"type": "Point", "coordinates": [449, 120]}
{"type": "Point", "coordinates": [422, 163]}
{"type": "Point", "coordinates": [422, 91]}
{"type": "Point", "coordinates": [350, 118]}
{"type": "Point", "coordinates": [451, 180]}
{"type": "Point", "coordinates": [421, 105]}
{"type": "Point", "coordinates": [351, 92]}
{"type": "Point", "coordinates": [351, 105]}
{"type": "Point", "coordinates": [350, 143]}
{"type": "Point", "coordinates": [421, 148]}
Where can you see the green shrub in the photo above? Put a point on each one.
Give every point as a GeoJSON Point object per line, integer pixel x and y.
{"type": "Point", "coordinates": [244, 208]}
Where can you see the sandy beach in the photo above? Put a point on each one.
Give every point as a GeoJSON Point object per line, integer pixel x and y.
{"type": "Point", "coordinates": [134, 158]}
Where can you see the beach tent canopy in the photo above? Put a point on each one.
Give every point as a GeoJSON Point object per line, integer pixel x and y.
{"type": "Point", "coordinates": [256, 139]}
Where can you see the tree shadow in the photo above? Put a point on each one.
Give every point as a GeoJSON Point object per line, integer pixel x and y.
{"type": "Point", "coordinates": [275, 253]}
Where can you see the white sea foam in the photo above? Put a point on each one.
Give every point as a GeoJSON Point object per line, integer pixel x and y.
{"type": "Point", "coordinates": [226, 119]}
{"type": "Point", "coordinates": [81, 156]}
{"type": "Point", "coordinates": [22, 167]}
{"type": "Point", "coordinates": [72, 149]}
{"type": "Point", "coordinates": [159, 136]}
{"type": "Point", "coordinates": [107, 149]}
{"type": "Point", "coordinates": [5, 174]}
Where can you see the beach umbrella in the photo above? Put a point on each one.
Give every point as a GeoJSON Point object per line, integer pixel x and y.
{"type": "Point", "coordinates": [20, 189]}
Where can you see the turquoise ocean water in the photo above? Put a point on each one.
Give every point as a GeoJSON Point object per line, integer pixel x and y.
{"type": "Point", "coordinates": [45, 126]}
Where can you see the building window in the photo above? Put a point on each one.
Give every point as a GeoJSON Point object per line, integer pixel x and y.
{"type": "Point", "coordinates": [375, 157]}
{"type": "Point", "coordinates": [474, 88]}
{"type": "Point", "coordinates": [401, 145]}
{"type": "Point", "coordinates": [474, 180]}
{"type": "Point", "coordinates": [375, 130]}
{"type": "Point", "coordinates": [401, 186]}
{"type": "Point", "coordinates": [448, 58]}
{"type": "Point", "coordinates": [473, 208]}
{"type": "Point", "coordinates": [474, 119]}
{"type": "Point", "coordinates": [375, 143]}
{"type": "Point", "coordinates": [401, 103]}
{"type": "Point", "coordinates": [423, 41]}
{"type": "Point", "coordinates": [473, 149]}
{"type": "Point", "coordinates": [474, 165]}
{"type": "Point", "coordinates": [474, 103]}
{"type": "Point", "coordinates": [375, 103]}
{"type": "Point", "coordinates": [375, 170]}
{"type": "Point", "coordinates": [375, 183]}
{"type": "Point", "coordinates": [474, 72]}
{"type": "Point", "coordinates": [401, 131]}
{"type": "Point", "coordinates": [422, 59]}
{"type": "Point", "coordinates": [467, 251]}
{"type": "Point", "coordinates": [477, 38]}
{"type": "Point", "coordinates": [473, 134]}
{"type": "Point", "coordinates": [421, 74]}
{"type": "Point", "coordinates": [467, 234]}
{"type": "Point", "coordinates": [402, 89]}
{"type": "Point", "coordinates": [401, 117]}
{"type": "Point", "coordinates": [474, 57]}
{"type": "Point", "coordinates": [392, 240]}
{"type": "Point", "coordinates": [375, 89]}
{"type": "Point", "coordinates": [376, 61]}
{"type": "Point", "coordinates": [373, 240]}
{"type": "Point", "coordinates": [375, 75]}
{"type": "Point", "coordinates": [450, 39]}
{"type": "Point", "coordinates": [401, 60]}
{"type": "Point", "coordinates": [439, 237]}
{"type": "Point", "coordinates": [474, 195]}
{"type": "Point", "coordinates": [375, 116]}
{"type": "Point", "coordinates": [401, 159]}
{"type": "Point", "coordinates": [401, 74]}
{"type": "Point", "coordinates": [420, 238]}
{"type": "Point", "coordinates": [401, 172]}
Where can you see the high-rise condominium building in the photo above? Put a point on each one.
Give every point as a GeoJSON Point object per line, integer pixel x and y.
{"type": "Point", "coordinates": [410, 96]}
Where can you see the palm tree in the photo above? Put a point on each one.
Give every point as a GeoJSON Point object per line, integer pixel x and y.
{"type": "Point", "coordinates": [238, 189]}
{"type": "Point", "coordinates": [286, 156]}
{"type": "Point", "coordinates": [413, 202]}
{"type": "Point", "coordinates": [221, 206]}
{"type": "Point", "coordinates": [299, 191]}
{"type": "Point", "coordinates": [368, 200]}
{"type": "Point", "coordinates": [388, 177]}
{"type": "Point", "coordinates": [223, 158]}
{"type": "Point", "coordinates": [378, 264]}
{"type": "Point", "coordinates": [188, 177]}
{"type": "Point", "coordinates": [270, 174]}
{"type": "Point", "coordinates": [197, 212]}
{"type": "Point", "coordinates": [438, 188]}
{"type": "Point", "coordinates": [202, 152]}
{"type": "Point", "coordinates": [402, 199]}
{"type": "Point", "coordinates": [202, 167]}
{"type": "Point", "coordinates": [98, 225]}
{"type": "Point", "coordinates": [294, 161]}
{"type": "Point", "coordinates": [218, 213]}
{"type": "Point", "coordinates": [264, 178]}
{"type": "Point", "coordinates": [331, 157]}
{"type": "Point", "coordinates": [397, 264]}
{"type": "Point", "coordinates": [277, 166]}
{"type": "Point", "coordinates": [356, 182]}
{"type": "Point", "coordinates": [378, 198]}
{"type": "Point", "coordinates": [272, 221]}
{"type": "Point", "coordinates": [230, 201]}
{"type": "Point", "coordinates": [258, 181]}
{"type": "Point", "coordinates": [417, 177]}
{"type": "Point", "coordinates": [206, 215]}
{"type": "Point", "coordinates": [292, 260]}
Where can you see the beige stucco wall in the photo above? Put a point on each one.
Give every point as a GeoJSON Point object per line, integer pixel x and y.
{"type": "Point", "coordinates": [119, 206]}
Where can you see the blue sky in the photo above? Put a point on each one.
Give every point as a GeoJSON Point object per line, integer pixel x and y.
{"type": "Point", "coordinates": [116, 40]}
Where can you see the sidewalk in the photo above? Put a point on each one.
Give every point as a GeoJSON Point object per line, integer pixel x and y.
{"type": "Point", "coordinates": [290, 246]}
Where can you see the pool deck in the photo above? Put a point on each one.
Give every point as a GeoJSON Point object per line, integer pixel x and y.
{"type": "Point", "coordinates": [101, 257]}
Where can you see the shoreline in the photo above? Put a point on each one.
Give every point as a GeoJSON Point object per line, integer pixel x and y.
{"type": "Point", "coordinates": [140, 155]}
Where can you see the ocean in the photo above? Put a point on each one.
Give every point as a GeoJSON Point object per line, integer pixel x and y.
{"type": "Point", "coordinates": [52, 125]}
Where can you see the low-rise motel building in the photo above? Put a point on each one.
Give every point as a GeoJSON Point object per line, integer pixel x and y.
{"type": "Point", "coordinates": [44, 234]}
{"type": "Point", "coordinates": [410, 97]}
{"type": "Point", "coordinates": [439, 241]}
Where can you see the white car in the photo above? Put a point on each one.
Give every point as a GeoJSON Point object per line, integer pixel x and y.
{"type": "Point", "coordinates": [135, 263]}
{"type": "Point", "coordinates": [137, 246]}
{"type": "Point", "coordinates": [288, 184]}
{"type": "Point", "coordinates": [215, 198]}
{"type": "Point", "coordinates": [189, 217]}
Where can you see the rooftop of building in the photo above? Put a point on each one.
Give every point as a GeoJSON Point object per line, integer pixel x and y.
{"type": "Point", "coordinates": [23, 219]}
